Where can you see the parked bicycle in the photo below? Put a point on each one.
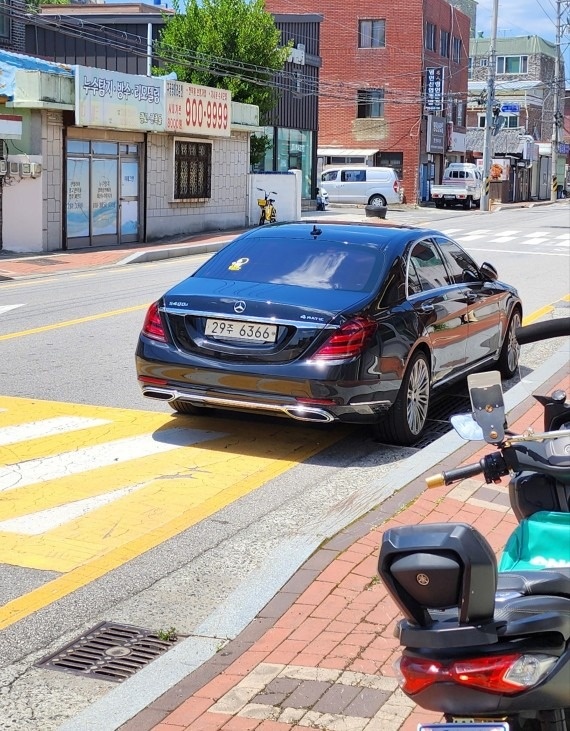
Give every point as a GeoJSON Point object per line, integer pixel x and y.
{"type": "Point", "coordinates": [268, 210]}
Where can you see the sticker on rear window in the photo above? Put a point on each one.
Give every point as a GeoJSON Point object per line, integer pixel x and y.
{"type": "Point", "coordinates": [236, 266]}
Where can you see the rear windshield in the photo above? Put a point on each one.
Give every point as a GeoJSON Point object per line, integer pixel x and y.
{"type": "Point", "coordinates": [303, 262]}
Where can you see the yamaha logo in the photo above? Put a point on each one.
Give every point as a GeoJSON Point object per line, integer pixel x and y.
{"type": "Point", "coordinates": [422, 579]}
{"type": "Point", "coordinates": [239, 307]}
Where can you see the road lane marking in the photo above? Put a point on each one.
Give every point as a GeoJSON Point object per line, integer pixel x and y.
{"type": "Point", "coordinates": [8, 308]}
{"type": "Point", "coordinates": [68, 323]}
{"type": "Point", "coordinates": [86, 523]}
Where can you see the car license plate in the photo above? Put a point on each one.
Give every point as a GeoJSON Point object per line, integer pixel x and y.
{"type": "Point", "coordinates": [449, 196]}
{"type": "Point", "coordinates": [252, 332]}
{"type": "Point", "coordinates": [461, 726]}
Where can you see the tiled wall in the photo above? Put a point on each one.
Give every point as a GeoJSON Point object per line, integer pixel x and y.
{"type": "Point", "coordinates": [224, 210]}
{"type": "Point", "coordinates": [52, 152]}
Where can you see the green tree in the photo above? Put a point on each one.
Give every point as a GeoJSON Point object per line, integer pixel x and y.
{"type": "Point", "coordinates": [229, 44]}
{"type": "Point", "coordinates": [34, 5]}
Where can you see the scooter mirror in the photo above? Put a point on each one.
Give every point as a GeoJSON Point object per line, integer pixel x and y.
{"type": "Point", "coordinates": [488, 404]}
{"type": "Point", "coordinates": [467, 428]}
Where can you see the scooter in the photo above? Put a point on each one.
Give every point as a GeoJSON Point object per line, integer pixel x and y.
{"type": "Point", "coordinates": [268, 210]}
{"type": "Point", "coordinates": [489, 647]}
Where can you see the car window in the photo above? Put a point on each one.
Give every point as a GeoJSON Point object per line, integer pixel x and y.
{"type": "Point", "coordinates": [329, 175]}
{"type": "Point", "coordinates": [461, 266]}
{"type": "Point", "coordinates": [430, 271]}
{"type": "Point", "coordinates": [353, 176]}
{"type": "Point", "coordinates": [301, 262]}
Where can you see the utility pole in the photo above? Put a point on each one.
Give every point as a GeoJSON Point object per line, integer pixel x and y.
{"type": "Point", "coordinates": [491, 69]}
{"type": "Point", "coordinates": [556, 110]}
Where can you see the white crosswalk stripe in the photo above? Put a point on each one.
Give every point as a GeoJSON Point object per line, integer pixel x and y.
{"type": "Point", "coordinates": [45, 428]}
{"type": "Point", "coordinates": [100, 455]}
{"type": "Point", "coordinates": [543, 241]}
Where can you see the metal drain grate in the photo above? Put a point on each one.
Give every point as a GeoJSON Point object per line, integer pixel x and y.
{"type": "Point", "coordinates": [47, 261]}
{"type": "Point", "coordinates": [108, 652]}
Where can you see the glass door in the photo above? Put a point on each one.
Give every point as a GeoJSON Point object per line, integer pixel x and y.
{"type": "Point", "coordinates": [129, 200]}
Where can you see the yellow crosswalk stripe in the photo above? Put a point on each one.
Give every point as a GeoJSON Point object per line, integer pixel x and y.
{"type": "Point", "coordinates": [60, 512]}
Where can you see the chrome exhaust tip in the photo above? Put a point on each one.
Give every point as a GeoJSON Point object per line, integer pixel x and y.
{"type": "Point", "coordinates": [158, 394]}
{"type": "Point", "coordinates": [308, 413]}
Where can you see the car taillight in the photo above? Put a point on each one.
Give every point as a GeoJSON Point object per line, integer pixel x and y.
{"type": "Point", "coordinates": [396, 186]}
{"type": "Point", "coordinates": [507, 674]}
{"type": "Point", "coordinates": [348, 341]}
{"type": "Point", "coordinates": [153, 327]}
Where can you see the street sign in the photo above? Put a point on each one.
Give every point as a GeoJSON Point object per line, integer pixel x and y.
{"type": "Point", "coordinates": [515, 108]}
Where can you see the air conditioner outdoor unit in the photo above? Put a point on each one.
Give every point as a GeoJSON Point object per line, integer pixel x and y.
{"type": "Point", "coordinates": [3, 167]}
{"type": "Point", "coordinates": [25, 169]}
{"type": "Point", "coordinates": [36, 169]}
{"type": "Point", "coordinates": [14, 169]}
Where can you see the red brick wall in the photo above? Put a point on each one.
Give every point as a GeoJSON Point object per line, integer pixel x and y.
{"type": "Point", "coordinates": [398, 68]}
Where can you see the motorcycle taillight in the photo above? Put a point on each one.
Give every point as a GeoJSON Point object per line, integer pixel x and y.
{"type": "Point", "coordinates": [505, 674]}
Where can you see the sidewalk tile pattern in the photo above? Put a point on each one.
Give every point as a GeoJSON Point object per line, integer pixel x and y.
{"type": "Point", "coordinates": [322, 653]}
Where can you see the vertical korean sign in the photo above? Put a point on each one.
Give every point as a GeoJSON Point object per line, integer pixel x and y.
{"type": "Point", "coordinates": [119, 101]}
{"type": "Point", "coordinates": [434, 90]}
{"type": "Point", "coordinates": [194, 109]}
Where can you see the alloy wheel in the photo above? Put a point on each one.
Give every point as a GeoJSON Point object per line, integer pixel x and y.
{"type": "Point", "coordinates": [418, 396]}
{"type": "Point", "coordinates": [513, 347]}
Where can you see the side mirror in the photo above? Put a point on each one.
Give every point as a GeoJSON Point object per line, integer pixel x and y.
{"type": "Point", "coordinates": [488, 405]}
{"type": "Point", "coordinates": [488, 272]}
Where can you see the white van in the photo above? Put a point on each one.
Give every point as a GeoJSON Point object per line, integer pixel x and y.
{"type": "Point", "coordinates": [362, 185]}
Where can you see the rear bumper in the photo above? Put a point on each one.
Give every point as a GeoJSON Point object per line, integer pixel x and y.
{"type": "Point", "coordinates": [323, 399]}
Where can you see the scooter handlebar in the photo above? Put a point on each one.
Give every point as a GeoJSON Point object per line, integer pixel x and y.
{"type": "Point", "coordinates": [451, 476]}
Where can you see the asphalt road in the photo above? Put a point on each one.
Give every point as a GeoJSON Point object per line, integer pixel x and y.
{"type": "Point", "coordinates": [69, 340]}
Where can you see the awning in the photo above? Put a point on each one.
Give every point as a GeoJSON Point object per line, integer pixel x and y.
{"type": "Point", "coordinates": [346, 152]}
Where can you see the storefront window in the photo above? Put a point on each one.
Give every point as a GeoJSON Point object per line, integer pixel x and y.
{"type": "Point", "coordinates": [294, 151]}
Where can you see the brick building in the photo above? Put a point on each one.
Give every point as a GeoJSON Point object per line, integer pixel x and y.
{"type": "Point", "coordinates": [12, 30]}
{"type": "Point", "coordinates": [373, 96]}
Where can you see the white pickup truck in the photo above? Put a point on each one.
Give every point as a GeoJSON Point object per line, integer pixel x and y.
{"type": "Point", "coordinates": [462, 183]}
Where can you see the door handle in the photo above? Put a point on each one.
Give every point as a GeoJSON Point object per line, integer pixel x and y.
{"type": "Point", "coordinates": [426, 309]}
{"type": "Point", "coordinates": [470, 297]}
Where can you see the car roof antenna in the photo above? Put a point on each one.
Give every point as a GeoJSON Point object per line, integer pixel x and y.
{"type": "Point", "coordinates": [316, 231]}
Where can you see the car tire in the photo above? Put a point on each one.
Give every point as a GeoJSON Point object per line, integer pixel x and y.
{"type": "Point", "coordinates": [377, 201]}
{"type": "Point", "coordinates": [508, 362]}
{"type": "Point", "coordinates": [439, 204]}
{"type": "Point", "coordinates": [468, 205]}
{"type": "Point", "coordinates": [185, 407]}
{"type": "Point", "coordinates": [405, 421]}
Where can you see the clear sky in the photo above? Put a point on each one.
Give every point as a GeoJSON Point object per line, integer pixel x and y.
{"type": "Point", "coordinates": [524, 17]}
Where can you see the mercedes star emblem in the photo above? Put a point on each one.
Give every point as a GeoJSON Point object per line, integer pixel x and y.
{"type": "Point", "coordinates": [239, 307]}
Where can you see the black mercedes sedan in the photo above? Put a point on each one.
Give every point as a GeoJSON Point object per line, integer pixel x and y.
{"type": "Point", "coordinates": [326, 322]}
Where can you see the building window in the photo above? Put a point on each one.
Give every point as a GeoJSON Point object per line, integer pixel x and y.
{"type": "Point", "coordinates": [370, 103]}
{"type": "Point", "coordinates": [456, 50]}
{"type": "Point", "coordinates": [371, 33]}
{"type": "Point", "coordinates": [470, 67]}
{"type": "Point", "coordinates": [192, 169]}
{"type": "Point", "coordinates": [4, 19]}
{"type": "Point", "coordinates": [444, 43]}
{"type": "Point", "coordinates": [511, 121]}
{"type": "Point", "coordinates": [512, 64]}
{"type": "Point", "coordinates": [391, 160]}
{"type": "Point", "coordinates": [431, 42]}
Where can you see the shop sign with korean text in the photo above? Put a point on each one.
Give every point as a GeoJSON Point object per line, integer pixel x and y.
{"type": "Point", "coordinates": [434, 89]}
{"type": "Point", "coordinates": [193, 109]}
{"type": "Point", "coordinates": [119, 101]}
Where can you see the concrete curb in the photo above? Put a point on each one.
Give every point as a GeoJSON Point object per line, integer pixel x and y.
{"type": "Point", "coordinates": [127, 700]}
{"type": "Point", "coordinates": [139, 257]}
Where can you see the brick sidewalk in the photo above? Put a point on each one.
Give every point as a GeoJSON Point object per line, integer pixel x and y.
{"type": "Point", "coordinates": [321, 653]}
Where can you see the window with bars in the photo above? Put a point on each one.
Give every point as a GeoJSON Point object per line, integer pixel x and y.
{"type": "Point", "coordinates": [371, 33]}
{"type": "Point", "coordinates": [370, 103]}
{"type": "Point", "coordinates": [430, 39]}
{"type": "Point", "coordinates": [192, 169]}
{"type": "Point", "coordinates": [456, 52]}
{"type": "Point", "coordinates": [444, 43]}
{"type": "Point", "coordinates": [4, 19]}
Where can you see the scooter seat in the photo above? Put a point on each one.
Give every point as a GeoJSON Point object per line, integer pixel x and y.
{"type": "Point", "coordinates": [543, 582]}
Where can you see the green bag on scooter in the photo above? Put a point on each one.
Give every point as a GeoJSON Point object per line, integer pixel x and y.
{"type": "Point", "coordinates": [541, 541]}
